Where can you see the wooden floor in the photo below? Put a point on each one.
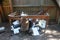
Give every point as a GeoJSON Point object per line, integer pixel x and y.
{"type": "Point", "coordinates": [52, 33]}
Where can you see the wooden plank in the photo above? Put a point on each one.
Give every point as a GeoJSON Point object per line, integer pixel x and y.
{"type": "Point", "coordinates": [37, 16]}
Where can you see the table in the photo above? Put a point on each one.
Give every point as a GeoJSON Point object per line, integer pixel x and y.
{"type": "Point", "coordinates": [18, 17]}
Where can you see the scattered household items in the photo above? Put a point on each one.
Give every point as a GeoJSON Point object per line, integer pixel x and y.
{"type": "Point", "coordinates": [47, 14]}
{"type": "Point", "coordinates": [15, 27]}
{"type": "Point", "coordinates": [38, 26]}
{"type": "Point", "coordinates": [16, 23]}
{"type": "Point", "coordinates": [35, 30]}
{"type": "Point", "coordinates": [12, 14]}
{"type": "Point", "coordinates": [29, 22]}
{"type": "Point", "coordinates": [23, 14]}
{"type": "Point", "coordinates": [2, 29]}
{"type": "Point", "coordinates": [15, 30]}
{"type": "Point", "coordinates": [42, 23]}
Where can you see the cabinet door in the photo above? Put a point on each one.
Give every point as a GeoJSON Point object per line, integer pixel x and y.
{"type": "Point", "coordinates": [7, 6]}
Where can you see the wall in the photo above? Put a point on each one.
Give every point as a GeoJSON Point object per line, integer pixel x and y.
{"type": "Point", "coordinates": [32, 10]}
{"type": "Point", "coordinates": [45, 4]}
{"type": "Point", "coordinates": [7, 8]}
{"type": "Point", "coordinates": [32, 2]}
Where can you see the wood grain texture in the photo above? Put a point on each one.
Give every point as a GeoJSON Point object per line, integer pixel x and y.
{"type": "Point", "coordinates": [7, 7]}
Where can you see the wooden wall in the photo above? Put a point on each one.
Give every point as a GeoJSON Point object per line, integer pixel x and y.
{"type": "Point", "coordinates": [32, 2]}
{"type": "Point", "coordinates": [7, 5]}
{"type": "Point", "coordinates": [33, 9]}
{"type": "Point", "coordinates": [7, 8]}
{"type": "Point", "coordinates": [45, 4]}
